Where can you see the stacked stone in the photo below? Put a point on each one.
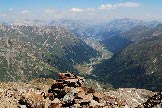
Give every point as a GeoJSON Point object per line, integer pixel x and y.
{"type": "Point", "coordinates": [69, 92]}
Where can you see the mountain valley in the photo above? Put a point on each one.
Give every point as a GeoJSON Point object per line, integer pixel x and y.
{"type": "Point", "coordinates": [110, 54]}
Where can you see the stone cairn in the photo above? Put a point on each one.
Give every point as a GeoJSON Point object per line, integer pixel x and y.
{"type": "Point", "coordinates": [69, 92]}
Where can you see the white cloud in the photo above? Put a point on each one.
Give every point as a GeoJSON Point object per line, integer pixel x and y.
{"type": "Point", "coordinates": [128, 4]}
{"type": "Point", "coordinates": [113, 6]}
{"type": "Point", "coordinates": [11, 9]}
{"type": "Point", "coordinates": [25, 11]}
{"type": "Point", "coordinates": [50, 11]}
{"type": "Point", "coordinates": [90, 9]}
{"type": "Point", "coordinates": [76, 10]}
{"type": "Point", "coordinates": [107, 6]}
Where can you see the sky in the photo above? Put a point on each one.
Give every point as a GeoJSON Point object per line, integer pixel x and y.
{"type": "Point", "coordinates": [95, 10]}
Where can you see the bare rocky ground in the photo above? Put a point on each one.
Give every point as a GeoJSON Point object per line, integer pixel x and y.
{"type": "Point", "coordinates": [68, 92]}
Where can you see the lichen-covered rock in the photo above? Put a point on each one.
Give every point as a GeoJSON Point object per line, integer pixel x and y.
{"type": "Point", "coordinates": [69, 97]}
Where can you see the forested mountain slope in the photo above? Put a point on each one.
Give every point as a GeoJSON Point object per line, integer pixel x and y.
{"type": "Point", "coordinates": [29, 51]}
{"type": "Point", "coordinates": [138, 65]}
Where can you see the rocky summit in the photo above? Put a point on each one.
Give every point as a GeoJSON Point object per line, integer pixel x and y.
{"type": "Point", "coordinates": [68, 92]}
